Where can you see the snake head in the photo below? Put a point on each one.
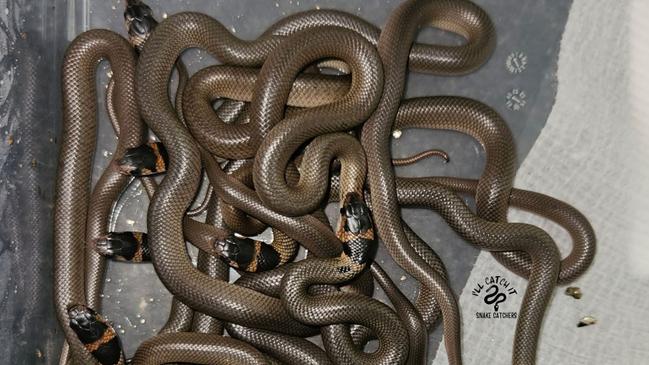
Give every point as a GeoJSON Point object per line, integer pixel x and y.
{"type": "Point", "coordinates": [139, 22]}
{"type": "Point", "coordinates": [238, 252]}
{"type": "Point", "coordinates": [356, 214]}
{"type": "Point", "coordinates": [96, 334]}
{"type": "Point", "coordinates": [85, 322]}
{"type": "Point", "coordinates": [247, 254]}
{"type": "Point", "coordinates": [145, 160]}
{"type": "Point", "coordinates": [356, 231]}
{"type": "Point", "coordinates": [123, 246]}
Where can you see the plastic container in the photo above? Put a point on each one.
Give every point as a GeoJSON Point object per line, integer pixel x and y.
{"type": "Point", "coordinates": [518, 82]}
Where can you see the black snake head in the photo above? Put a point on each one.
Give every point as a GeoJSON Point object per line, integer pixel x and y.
{"type": "Point", "coordinates": [96, 334]}
{"type": "Point", "coordinates": [236, 251]}
{"type": "Point", "coordinates": [357, 216]}
{"type": "Point", "coordinates": [123, 246]}
{"type": "Point", "coordinates": [145, 160]}
{"type": "Point", "coordinates": [356, 231]}
{"type": "Point", "coordinates": [247, 254]}
{"type": "Point", "coordinates": [139, 22]}
{"type": "Point", "coordinates": [86, 323]}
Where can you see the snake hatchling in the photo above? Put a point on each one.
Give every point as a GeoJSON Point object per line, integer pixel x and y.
{"type": "Point", "coordinates": [275, 137]}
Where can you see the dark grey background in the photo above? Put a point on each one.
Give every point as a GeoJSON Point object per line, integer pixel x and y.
{"type": "Point", "coordinates": [33, 36]}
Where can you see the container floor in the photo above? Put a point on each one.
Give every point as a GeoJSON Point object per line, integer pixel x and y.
{"type": "Point", "coordinates": [519, 82]}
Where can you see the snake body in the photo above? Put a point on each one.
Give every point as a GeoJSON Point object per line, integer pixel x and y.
{"type": "Point", "coordinates": [394, 45]}
{"type": "Point", "coordinates": [79, 108]}
{"type": "Point", "coordinates": [283, 125]}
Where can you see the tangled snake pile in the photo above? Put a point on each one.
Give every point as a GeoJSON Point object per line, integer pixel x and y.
{"type": "Point", "coordinates": [285, 141]}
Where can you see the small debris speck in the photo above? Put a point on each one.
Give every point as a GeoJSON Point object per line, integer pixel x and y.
{"type": "Point", "coordinates": [574, 292]}
{"type": "Point", "coordinates": [403, 278]}
{"type": "Point", "coordinates": [587, 321]}
{"type": "Point", "coordinates": [397, 133]}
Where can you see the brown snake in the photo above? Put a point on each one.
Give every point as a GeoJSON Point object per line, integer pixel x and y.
{"type": "Point", "coordinates": [271, 311]}
{"type": "Point", "coordinates": [72, 192]}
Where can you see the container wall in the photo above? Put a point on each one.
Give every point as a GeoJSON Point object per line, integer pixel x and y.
{"type": "Point", "coordinates": [31, 42]}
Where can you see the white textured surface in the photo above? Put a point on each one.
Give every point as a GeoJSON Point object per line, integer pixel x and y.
{"type": "Point", "coordinates": [593, 153]}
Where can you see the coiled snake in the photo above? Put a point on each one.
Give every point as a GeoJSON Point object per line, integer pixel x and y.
{"type": "Point", "coordinates": [284, 128]}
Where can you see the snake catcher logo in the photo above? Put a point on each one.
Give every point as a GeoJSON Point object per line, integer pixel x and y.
{"type": "Point", "coordinates": [494, 291]}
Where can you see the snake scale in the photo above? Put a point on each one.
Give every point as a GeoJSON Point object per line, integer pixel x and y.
{"type": "Point", "coordinates": [285, 140]}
